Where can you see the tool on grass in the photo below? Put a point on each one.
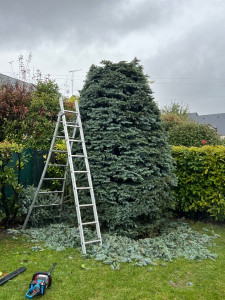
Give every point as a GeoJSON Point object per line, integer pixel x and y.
{"type": "Point", "coordinates": [12, 275]}
{"type": "Point", "coordinates": [40, 282]}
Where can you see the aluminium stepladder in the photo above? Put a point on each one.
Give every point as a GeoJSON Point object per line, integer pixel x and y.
{"type": "Point", "coordinates": [75, 125]}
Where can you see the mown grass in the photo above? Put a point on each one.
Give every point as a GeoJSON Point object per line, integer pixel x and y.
{"type": "Point", "coordinates": [180, 279]}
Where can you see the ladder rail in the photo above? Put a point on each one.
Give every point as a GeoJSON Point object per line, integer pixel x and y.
{"type": "Point", "coordinates": [44, 171]}
{"type": "Point", "coordinates": [88, 173]}
{"type": "Point", "coordinates": [65, 175]}
{"type": "Point", "coordinates": [61, 119]}
{"type": "Point", "coordinates": [75, 193]}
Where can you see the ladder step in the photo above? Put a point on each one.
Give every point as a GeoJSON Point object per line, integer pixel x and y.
{"type": "Point", "coordinates": [50, 192]}
{"type": "Point", "coordinates": [60, 136]}
{"type": "Point", "coordinates": [55, 165]}
{"type": "Point", "coordinates": [73, 123]}
{"type": "Point", "coordinates": [54, 178]}
{"type": "Point", "coordinates": [84, 205]}
{"type": "Point", "coordinates": [94, 241]}
{"type": "Point", "coordinates": [59, 151]}
{"type": "Point", "coordinates": [45, 205]}
{"type": "Point", "coordinates": [77, 141]}
{"type": "Point", "coordinates": [89, 223]}
{"type": "Point", "coordinates": [69, 123]}
{"type": "Point", "coordinates": [71, 111]}
{"type": "Point", "coordinates": [66, 130]}
{"type": "Point", "coordinates": [74, 126]}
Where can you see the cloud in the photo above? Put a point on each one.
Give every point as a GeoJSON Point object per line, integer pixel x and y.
{"type": "Point", "coordinates": [188, 67]}
{"type": "Point", "coordinates": [72, 21]}
{"type": "Point", "coordinates": [173, 39]}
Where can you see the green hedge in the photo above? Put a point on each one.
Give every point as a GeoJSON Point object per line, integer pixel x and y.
{"type": "Point", "coordinates": [193, 134]}
{"type": "Point", "coordinates": [201, 180]}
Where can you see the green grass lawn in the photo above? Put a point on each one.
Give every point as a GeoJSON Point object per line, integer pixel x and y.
{"type": "Point", "coordinates": [180, 279]}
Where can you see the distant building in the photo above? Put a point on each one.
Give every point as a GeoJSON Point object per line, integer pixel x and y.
{"type": "Point", "coordinates": [217, 121]}
{"type": "Point", "coordinates": [7, 79]}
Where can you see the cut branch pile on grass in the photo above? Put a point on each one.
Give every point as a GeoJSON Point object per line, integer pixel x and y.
{"type": "Point", "coordinates": [177, 240]}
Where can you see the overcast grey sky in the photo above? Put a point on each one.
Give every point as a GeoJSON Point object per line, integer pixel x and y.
{"type": "Point", "coordinates": [180, 43]}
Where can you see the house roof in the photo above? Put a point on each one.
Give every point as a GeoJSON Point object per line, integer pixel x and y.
{"type": "Point", "coordinates": [215, 120]}
{"type": "Point", "coordinates": [7, 79]}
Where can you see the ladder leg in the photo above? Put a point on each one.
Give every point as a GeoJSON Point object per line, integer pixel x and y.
{"type": "Point", "coordinates": [89, 175]}
{"type": "Point", "coordinates": [65, 175]}
{"type": "Point", "coordinates": [69, 144]}
{"type": "Point", "coordinates": [73, 179]}
{"type": "Point", "coordinates": [62, 196]}
{"type": "Point", "coordinates": [43, 173]}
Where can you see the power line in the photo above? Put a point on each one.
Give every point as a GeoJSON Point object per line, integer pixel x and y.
{"type": "Point", "coordinates": [64, 75]}
{"type": "Point", "coordinates": [189, 78]}
{"type": "Point", "coordinates": [189, 96]}
{"type": "Point", "coordinates": [67, 79]}
{"type": "Point", "coordinates": [150, 77]}
{"type": "Point", "coordinates": [198, 84]}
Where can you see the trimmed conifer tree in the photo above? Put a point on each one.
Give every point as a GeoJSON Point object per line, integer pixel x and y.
{"type": "Point", "coordinates": [130, 160]}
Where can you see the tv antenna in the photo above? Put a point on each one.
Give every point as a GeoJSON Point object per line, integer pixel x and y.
{"type": "Point", "coordinates": [72, 77]}
{"type": "Point", "coordinates": [11, 63]}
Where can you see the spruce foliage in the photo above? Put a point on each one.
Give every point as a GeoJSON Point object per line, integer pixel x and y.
{"type": "Point", "coordinates": [129, 157]}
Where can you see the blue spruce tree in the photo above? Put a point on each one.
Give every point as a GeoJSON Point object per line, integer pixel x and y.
{"type": "Point", "coordinates": [130, 160]}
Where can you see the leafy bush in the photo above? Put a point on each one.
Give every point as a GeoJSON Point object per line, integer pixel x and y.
{"type": "Point", "coordinates": [175, 108]}
{"type": "Point", "coordinates": [201, 173]}
{"type": "Point", "coordinates": [35, 130]}
{"type": "Point", "coordinates": [193, 134]}
{"type": "Point", "coordinates": [174, 115]}
{"type": "Point", "coordinates": [10, 178]}
{"type": "Point", "coordinates": [170, 120]}
{"type": "Point", "coordinates": [129, 157]}
{"type": "Point", "coordinates": [184, 131]}
{"type": "Point", "coordinates": [57, 158]}
{"type": "Point", "coordinates": [14, 102]}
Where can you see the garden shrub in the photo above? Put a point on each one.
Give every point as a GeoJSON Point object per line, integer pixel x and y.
{"type": "Point", "coordinates": [201, 173]}
{"type": "Point", "coordinates": [9, 177]}
{"type": "Point", "coordinates": [57, 158]}
{"type": "Point", "coordinates": [193, 134]}
{"type": "Point", "coordinates": [175, 114]}
{"type": "Point", "coordinates": [14, 102]}
{"type": "Point", "coordinates": [36, 128]}
{"type": "Point", "coordinates": [27, 117]}
{"type": "Point", "coordinates": [129, 157]}
{"type": "Point", "coordinates": [171, 120]}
